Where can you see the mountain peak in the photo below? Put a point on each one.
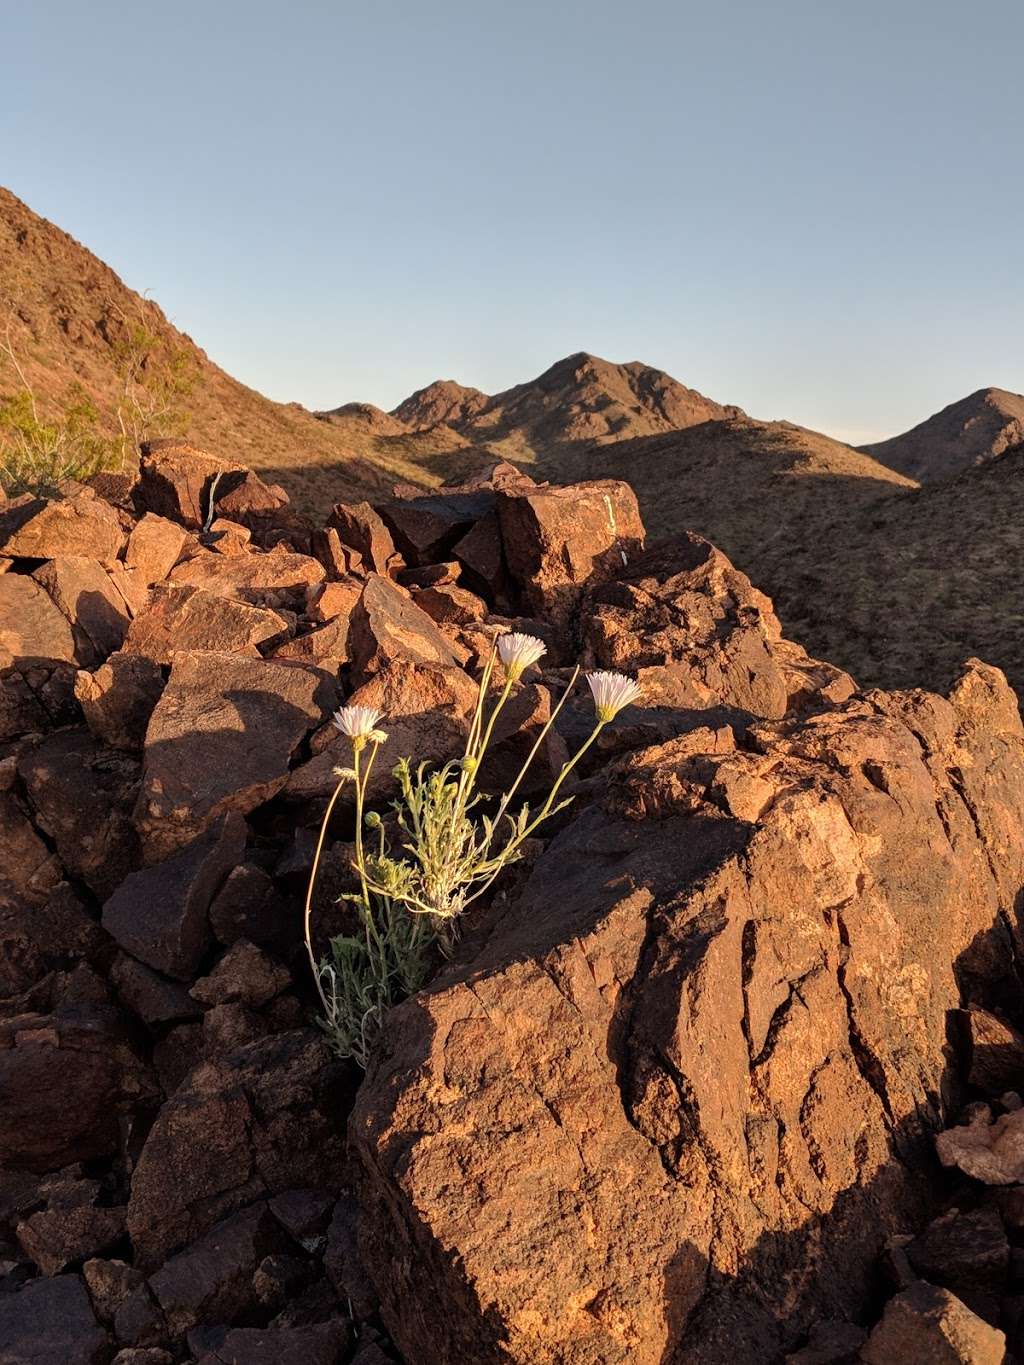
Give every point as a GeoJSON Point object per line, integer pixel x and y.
{"type": "Point", "coordinates": [972, 431]}
{"type": "Point", "coordinates": [579, 398]}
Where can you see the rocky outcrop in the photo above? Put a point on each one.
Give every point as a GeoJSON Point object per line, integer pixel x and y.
{"type": "Point", "coordinates": [672, 1098]}
{"type": "Point", "coordinates": [715, 1017]}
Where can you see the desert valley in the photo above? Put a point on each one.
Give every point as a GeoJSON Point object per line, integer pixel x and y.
{"type": "Point", "coordinates": [721, 1060]}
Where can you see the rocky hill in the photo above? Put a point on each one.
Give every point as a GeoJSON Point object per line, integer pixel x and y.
{"type": "Point", "coordinates": [72, 321]}
{"type": "Point", "coordinates": [970, 432]}
{"type": "Point", "coordinates": [580, 399]}
{"type": "Point", "coordinates": [678, 1090]}
{"type": "Point", "coordinates": [906, 592]}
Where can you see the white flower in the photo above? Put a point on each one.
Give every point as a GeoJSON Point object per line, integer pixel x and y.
{"type": "Point", "coordinates": [612, 691]}
{"type": "Point", "coordinates": [517, 652]}
{"type": "Point", "coordinates": [358, 722]}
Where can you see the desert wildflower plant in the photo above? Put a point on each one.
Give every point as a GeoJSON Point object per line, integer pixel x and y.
{"type": "Point", "coordinates": [454, 845]}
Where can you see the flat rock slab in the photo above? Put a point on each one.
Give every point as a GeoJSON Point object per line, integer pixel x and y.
{"type": "Point", "coordinates": [221, 739]}
{"type": "Point", "coordinates": [179, 617]}
{"type": "Point", "coordinates": [40, 528]}
{"type": "Point", "coordinates": [386, 627]}
{"type": "Point", "coordinates": [256, 577]}
{"type": "Point", "coordinates": [33, 630]}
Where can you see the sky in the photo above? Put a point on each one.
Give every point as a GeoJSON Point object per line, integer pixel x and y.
{"type": "Point", "coordinates": [814, 210]}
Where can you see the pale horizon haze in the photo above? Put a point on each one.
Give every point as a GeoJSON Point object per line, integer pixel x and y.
{"type": "Point", "coordinates": [811, 210]}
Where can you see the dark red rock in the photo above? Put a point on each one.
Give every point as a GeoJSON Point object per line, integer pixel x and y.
{"type": "Point", "coordinates": [154, 546]}
{"type": "Point", "coordinates": [221, 740]}
{"type": "Point", "coordinates": [450, 606]}
{"type": "Point", "coordinates": [481, 551]}
{"type": "Point", "coordinates": [427, 711]}
{"type": "Point", "coordinates": [117, 699]}
{"type": "Point", "coordinates": [304, 1214]}
{"type": "Point", "coordinates": [212, 1280]}
{"type": "Point", "coordinates": [179, 481]}
{"type": "Point", "coordinates": [426, 527]}
{"type": "Point", "coordinates": [925, 1323]}
{"type": "Point", "coordinates": [560, 541]}
{"type": "Point", "coordinates": [81, 794]}
{"type": "Point", "coordinates": [55, 1238]}
{"type": "Point", "coordinates": [995, 1052]}
{"type": "Point", "coordinates": [110, 1284]}
{"type": "Point", "coordinates": [181, 618]}
{"type": "Point", "coordinates": [40, 528]}
{"type": "Point", "coordinates": [322, 1344]}
{"type": "Point", "coordinates": [276, 578]}
{"type": "Point", "coordinates": [252, 1124]}
{"type": "Point", "coordinates": [51, 1322]}
{"type": "Point", "coordinates": [692, 630]}
{"type": "Point", "coordinates": [752, 1034]}
{"type": "Point", "coordinates": [66, 1080]}
{"type": "Point", "coordinates": [85, 595]}
{"type": "Point", "coordinates": [154, 998]}
{"type": "Point", "coordinates": [247, 906]}
{"type": "Point", "coordinates": [387, 627]}
{"type": "Point", "coordinates": [244, 974]}
{"type": "Point", "coordinates": [33, 631]}
{"type": "Point", "coordinates": [38, 935]}
{"type": "Point", "coordinates": [160, 913]}
{"type": "Point", "coordinates": [361, 530]}
{"type": "Point", "coordinates": [963, 1251]}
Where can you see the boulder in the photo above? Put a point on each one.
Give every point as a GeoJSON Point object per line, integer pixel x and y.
{"type": "Point", "coordinates": [253, 1124]}
{"type": "Point", "coordinates": [450, 605]}
{"type": "Point", "coordinates": [118, 698]}
{"type": "Point", "coordinates": [363, 535]}
{"type": "Point", "coordinates": [427, 526]}
{"type": "Point", "coordinates": [221, 739]}
{"type": "Point", "coordinates": [42, 928]}
{"type": "Point", "coordinates": [245, 974]}
{"type": "Point", "coordinates": [247, 906]}
{"type": "Point", "coordinates": [28, 869]}
{"type": "Point", "coordinates": [160, 914]}
{"type": "Point", "coordinates": [328, 601]}
{"type": "Point", "coordinates": [180, 481]}
{"type": "Point", "coordinates": [387, 627]}
{"type": "Point", "coordinates": [179, 618]}
{"type": "Point", "coordinates": [427, 709]}
{"type": "Point", "coordinates": [963, 1250]}
{"type": "Point", "coordinates": [32, 629]}
{"type": "Point", "coordinates": [560, 541]}
{"type": "Point", "coordinates": [66, 1081]}
{"type": "Point", "coordinates": [696, 1034]}
{"type": "Point", "coordinates": [212, 1280]}
{"type": "Point", "coordinates": [110, 1284]}
{"type": "Point", "coordinates": [154, 547]}
{"type": "Point", "coordinates": [82, 794]}
{"type": "Point", "coordinates": [51, 1322]}
{"type": "Point", "coordinates": [692, 629]}
{"type": "Point", "coordinates": [57, 1237]}
{"type": "Point", "coordinates": [326, 647]}
{"type": "Point", "coordinates": [83, 592]}
{"type": "Point", "coordinates": [323, 1343]}
{"type": "Point", "coordinates": [927, 1324]}
{"type": "Point", "coordinates": [995, 1050]}
{"type": "Point", "coordinates": [157, 1000]}
{"type": "Point", "coordinates": [41, 528]}
{"type": "Point", "coordinates": [990, 1152]}
{"type": "Point", "coordinates": [482, 554]}
{"type": "Point", "coordinates": [265, 579]}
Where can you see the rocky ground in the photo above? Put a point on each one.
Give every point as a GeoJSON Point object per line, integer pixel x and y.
{"type": "Point", "coordinates": [729, 1072]}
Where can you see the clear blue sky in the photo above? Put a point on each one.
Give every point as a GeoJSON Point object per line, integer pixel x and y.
{"type": "Point", "coordinates": [813, 209]}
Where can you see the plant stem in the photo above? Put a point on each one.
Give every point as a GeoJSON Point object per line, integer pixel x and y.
{"type": "Point", "coordinates": [307, 912]}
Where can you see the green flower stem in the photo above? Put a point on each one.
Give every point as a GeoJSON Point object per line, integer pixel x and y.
{"type": "Point", "coordinates": [307, 913]}
{"type": "Point", "coordinates": [545, 810]}
{"type": "Point", "coordinates": [506, 800]}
